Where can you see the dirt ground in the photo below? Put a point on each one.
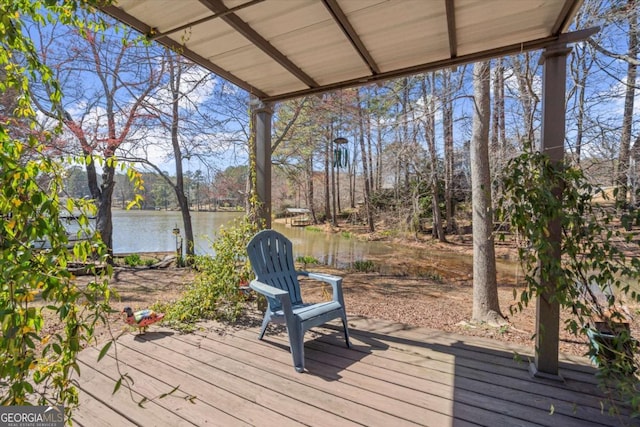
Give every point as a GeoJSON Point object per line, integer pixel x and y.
{"type": "Point", "coordinates": [442, 303]}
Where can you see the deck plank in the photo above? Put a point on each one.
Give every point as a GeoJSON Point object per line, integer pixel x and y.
{"type": "Point", "coordinates": [393, 375]}
{"type": "Point", "coordinates": [424, 384]}
{"type": "Point", "coordinates": [161, 378]}
{"type": "Point", "coordinates": [208, 368]}
{"type": "Point", "coordinates": [197, 413]}
{"type": "Point", "coordinates": [262, 367]}
{"type": "Point", "coordinates": [515, 374]}
{"type": "Point", "coordinates": [473, 351]}
{"type": "Point", "coordinates": [98, 385]}
{"type": "Point", "coordinates": [385, 388]}
{"type": "Point", "coordinates": [407, 373]}
{"type": "Point", "coordinates": [97, 414]}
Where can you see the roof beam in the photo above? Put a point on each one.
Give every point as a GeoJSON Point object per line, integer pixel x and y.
{"type": "Point", "coordinates": [260, 42]}
{"type": "Point", "coordinates": [451, 28]}
{"type": "Point", "coordinates": [157, 35]}
{"type": "Point", "coordinates": [568, 10]}
{"type": "Point", "coordinates": [351, 34]}
{"type": "Point", "coordinates": [541, 43]}
{"type": "Point", "coordinates": [143, 28]}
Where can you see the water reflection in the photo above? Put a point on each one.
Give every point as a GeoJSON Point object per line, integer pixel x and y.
{"type": "Point", "coordinates": [332, 249]}
{"type": "Point", "coordinates": [338, 251]}
{"type": "Point", "coordinates": [150, 231]}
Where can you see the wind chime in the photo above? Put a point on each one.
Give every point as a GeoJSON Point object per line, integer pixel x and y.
{"type": "Point", "coordinates": [340, 152]}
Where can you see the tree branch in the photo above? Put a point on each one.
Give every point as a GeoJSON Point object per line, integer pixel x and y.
{"type": "Point", "coordinates": [602, 50]}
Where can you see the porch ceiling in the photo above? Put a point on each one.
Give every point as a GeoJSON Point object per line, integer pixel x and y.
{"type": "Point", "coordinates": [279, 49]}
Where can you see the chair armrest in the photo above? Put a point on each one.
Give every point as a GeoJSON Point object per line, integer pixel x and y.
{"type": "Point", "coordinates": [329, 278]}
{"type": "Point", "coordinates": [334, 281]}
{"type": "Point", "coordinates": [267, 291]}
{"type": "Point", "coordinates": [277, 294]}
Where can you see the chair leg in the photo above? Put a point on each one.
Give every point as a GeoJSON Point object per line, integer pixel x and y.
{"type": "Point", "coordinates": [346, 330]}
{"type": "Point", "coordinates": [265, 322]}
{"type": "Point", "coordinates": [296, 343]}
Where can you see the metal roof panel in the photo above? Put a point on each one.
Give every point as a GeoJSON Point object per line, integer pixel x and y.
{"type": "Point", "coordinates": [285, 48]}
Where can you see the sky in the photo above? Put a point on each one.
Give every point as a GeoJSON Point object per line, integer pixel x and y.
{"type": "Point", "coordinates": [80, 87]}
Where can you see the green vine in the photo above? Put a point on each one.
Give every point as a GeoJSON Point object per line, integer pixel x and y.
{"type": "Point", "coordinates": [45, 318]}
{"type": "Point", "coordinates": [216, 292]}
{"type": "Point", "coordinates": [37, 289]}
{"type": "Point", "coordinates": [593, 276]}
{"type": "Point", "coordinates": [254, 203]}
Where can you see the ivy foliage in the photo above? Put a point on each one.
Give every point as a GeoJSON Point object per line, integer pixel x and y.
{"type": "Point", "coordinates": [593, 276]}
{"type": "Point", "coordinates": [36, 286]}
{"type": "Point", "coordinates": [215, 292]}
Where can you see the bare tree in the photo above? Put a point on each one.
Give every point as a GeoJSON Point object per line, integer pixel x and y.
{"type": "Point", "coordinates": [429, 97]}
{"type": "Point", "coordinates": [580, 66]}
{"type": "Point", "coordinates": [498, 132]}
{"type": "Point", "coordinates": [627, 117]}
{"type": "Point", "coordinates": [183, 126]}
{"type": "Point", "coordinates": [447, 131]}
{"type": "Point", "coordinates": [525, 71]}
{"type": "Point", "coordinates": [486, 307]}
{"type": "Point", "coordinates": [365, 165]}
{"type": "Point", "coordinates": [106, 79]}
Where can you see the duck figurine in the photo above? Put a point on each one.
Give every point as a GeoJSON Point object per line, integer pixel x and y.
{"type": "Point", "coordinates": [141, 319]}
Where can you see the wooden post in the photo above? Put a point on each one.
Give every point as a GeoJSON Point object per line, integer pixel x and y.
{"type": "Point", "coordinates": [553, 133]}
{"type": "Point", "coordinates": [263, 115]}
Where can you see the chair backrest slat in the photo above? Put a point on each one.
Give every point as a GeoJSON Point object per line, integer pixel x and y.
{"type": "Point", "coordinates": [271, 257]}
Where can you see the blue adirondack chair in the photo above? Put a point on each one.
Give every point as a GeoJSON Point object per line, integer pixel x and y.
{"type": "Point", "coordinates": [271, 257]}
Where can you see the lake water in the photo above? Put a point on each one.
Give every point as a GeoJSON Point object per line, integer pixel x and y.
{"type": "Point", "coordinates": [151, 231]}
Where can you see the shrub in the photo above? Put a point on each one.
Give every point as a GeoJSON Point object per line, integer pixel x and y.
{"type": "Point", "coordinates": [306, 260]}
{"type": "Point", "coordinates": [364, 266]}
{"type": "Point", "coordinates": [133, 260]}
{"type": "Point", "coordinates": [214, 294]}
{"type": "Point", "coordinates": [592, 258]}
{"type": "Point", "coordinates": [431, 275]}
{"type": "Point", "coordinates": [37, 286]}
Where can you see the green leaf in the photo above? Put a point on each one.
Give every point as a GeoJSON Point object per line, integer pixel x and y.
{"type": "Point", "coordinates": [117, 386]}
{"type": "Point", "coordinates": [104, 350]}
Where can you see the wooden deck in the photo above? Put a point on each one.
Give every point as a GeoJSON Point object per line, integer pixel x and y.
{"type": "Point", "coordinates": [393, 376]}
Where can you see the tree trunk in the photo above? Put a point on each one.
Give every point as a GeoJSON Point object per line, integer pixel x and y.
{"type": "Point", "coordinates": [353, 165]}
{"type": "Point", "coordinates": [375, 179]}
{"type": "Point", "coordinates": [104, 219]}
{"type": "Point", "coordinates": [498, 87]}
{"type": "Point", "coordinates": [309, 196]}
{"type": "Point", "coordinates": [430, 137]}
{"type": "Point", "coordinates": [627, 118]}
{"type": "Point", "coordinates": [365, 166]}
{"type": "Point", "coordinates": [327, 162]}
{"type": "Point", "coordinates": [334, 167]}
{"type": "Point", "coordinates": [580, 71]}
{"type": "Point", "coordinates": [175, 73]}
{"type": "Point", "coordinates": [485, 290]}
{"type": "Point", "coordinates": [447, 125]}
{"type": "Point", "coordinates": [528, 97]}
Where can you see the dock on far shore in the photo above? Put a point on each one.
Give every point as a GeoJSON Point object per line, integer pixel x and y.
{"type": "Point", "coordinates": [297, 217]}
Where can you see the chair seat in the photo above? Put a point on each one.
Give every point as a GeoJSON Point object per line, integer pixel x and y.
{"type": "Point", "coordinates": [309, 311]}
